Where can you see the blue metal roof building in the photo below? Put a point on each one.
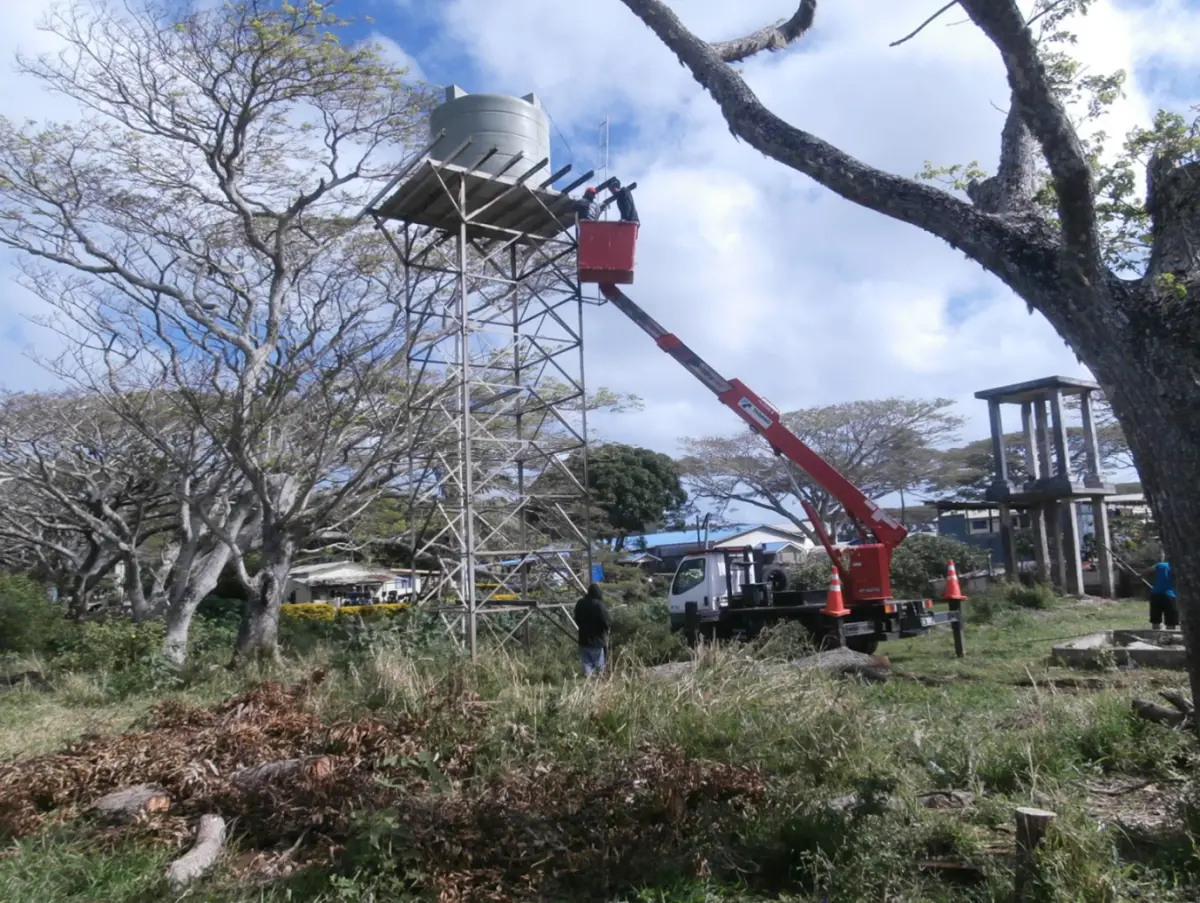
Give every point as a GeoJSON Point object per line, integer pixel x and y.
{"type": "Point", "coordinates": [679, 537]}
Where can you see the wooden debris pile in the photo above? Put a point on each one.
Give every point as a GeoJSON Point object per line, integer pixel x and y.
{"type": "Point", "coordinates": [582, 831]}
{"type": "Point", "coordinates": [263, 770]}
{"type": "Point", "coordinates": [262, 750]}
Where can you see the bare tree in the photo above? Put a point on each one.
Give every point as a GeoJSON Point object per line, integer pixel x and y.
{"type": "Point", "coordinates": [83, 494]}
{"type": "Point", "coordinates": [195, 231]}
{"type": "Point", "coordinates": [97, 486]}
{"type": "Point", "coordinates": [1117, 276]}
{"type": "Point", "coordinates": [877, 445]}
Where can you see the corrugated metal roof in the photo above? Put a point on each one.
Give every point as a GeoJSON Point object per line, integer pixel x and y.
{"type": "Point", "coordinates": [679, 538]}
{"type": "Point", "coordinates": [639, 556]}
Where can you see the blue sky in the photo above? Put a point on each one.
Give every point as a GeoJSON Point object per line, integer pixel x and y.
{"type": "Point", "coordinates": [772, 279]}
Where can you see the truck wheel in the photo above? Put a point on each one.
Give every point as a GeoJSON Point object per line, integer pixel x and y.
{"type": "Point", "coordinates": [864, 644]}
{"type": "Point", "coordinates": [778, 579]}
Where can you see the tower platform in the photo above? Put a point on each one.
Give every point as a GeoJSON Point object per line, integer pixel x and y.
{"type": "Point", "coordinates": [1054, 480]}
{"type": "Point", "coordinates": [445, 196]}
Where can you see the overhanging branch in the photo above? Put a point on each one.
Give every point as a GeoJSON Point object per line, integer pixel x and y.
{"type": "Point", "coordinates": [1047, 120]}
{"type": "Point", "coordinates": [987, 239]}
{"type": "Point", "coordinates": [770, 38]}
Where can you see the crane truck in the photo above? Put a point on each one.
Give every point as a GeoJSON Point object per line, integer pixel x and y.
{"type": "Point", "coordinates": [729, 592]}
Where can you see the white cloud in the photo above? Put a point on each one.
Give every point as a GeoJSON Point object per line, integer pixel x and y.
{"type": "Point", "coordinates": [399, 57]}
{"type": "Point", "coordinates": [807, 298]}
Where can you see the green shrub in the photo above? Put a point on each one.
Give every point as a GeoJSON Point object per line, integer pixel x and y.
{"type": "Point", "coordinates": [29, 621]}
{"type": "Point", "coordinates": [813, 573]}
{"type": "Point", "coordinates": [924, 557]}
{"type": "Point", "coordinates": [381, 612]}
{"type": "Point", "coordinates": [1038, 596]}
{"type": "Point", "coordinates": [225, 609]}
{"type": "Point", "coordinates": [211, 639]}
{"type": "Point", "coordinates": [644, 631]}
{"type": "Point", "coordinates": [1009, 600]}
{"type": "Point", "coordinates": [985, 608]}
{"type": "Point", "coordinates": [111, 646]}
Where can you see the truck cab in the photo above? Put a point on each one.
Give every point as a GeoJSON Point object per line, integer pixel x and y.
{"type": "Point", "coordinates": [706, 578]}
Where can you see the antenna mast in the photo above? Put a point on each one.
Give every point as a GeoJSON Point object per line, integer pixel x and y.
{"type": "Point", "coordinates": [602, 157]}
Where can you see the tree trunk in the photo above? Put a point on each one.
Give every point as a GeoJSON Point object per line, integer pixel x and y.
{"type": "Point", "coordinates": [258, 636]}
{"type": "Point", "coordinates": [200, 578]}
{"type": "Point", "coordinates": [129, 803]}
{"type": "Point", "coordinates": [1156, 399]}
{"type": "Point", "coordinates": [135, 593]}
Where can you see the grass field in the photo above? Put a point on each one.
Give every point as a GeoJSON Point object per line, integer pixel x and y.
{"type": "Point", "coordinates": [518, 779]}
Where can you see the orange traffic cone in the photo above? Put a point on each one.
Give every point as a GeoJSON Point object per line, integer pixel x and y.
{"type": "Point", "coordinates": [953, 591]}
{"type": "Point", "coordinates": [835, 607]}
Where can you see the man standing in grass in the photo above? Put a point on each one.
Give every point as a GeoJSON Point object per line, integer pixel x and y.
{"type": "Point", "coordinates": [1163, 607]}
{"type": "Point", "coordinates": [592, 618]}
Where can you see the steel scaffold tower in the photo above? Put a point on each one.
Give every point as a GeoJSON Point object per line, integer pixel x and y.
{"type": "Point", "coordinates": [497, 351]}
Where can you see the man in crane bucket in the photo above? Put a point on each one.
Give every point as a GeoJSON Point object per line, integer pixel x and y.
{"type": "Point", "coordinates": [587, 207]}
{"type": "Point", "coordinates": [592, 618]}
{"type": "Point", "coordinates": [624, 198]}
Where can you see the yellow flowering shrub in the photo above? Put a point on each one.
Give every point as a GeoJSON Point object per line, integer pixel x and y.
{"type": "Point", "coordinates": [388, 610]}
{"type": "Point", "coordinates": [323, 611]}
{"type": "Point", "coordinates": [308, 611]}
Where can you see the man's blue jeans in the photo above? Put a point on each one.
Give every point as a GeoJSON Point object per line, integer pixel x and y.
{"type": "Point", "coordinates": [592, 659]}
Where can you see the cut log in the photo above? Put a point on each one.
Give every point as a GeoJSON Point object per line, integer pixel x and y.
{"type": "Point", "coordinates": [946, 799]}
{"type": "Point", "coordinates": [199, 860]}
{"type": "Point", "coordinates": [310, 766]}
{"type": "Point", "coordinates": [1160, 714]}
{"type": "Point", "coordinates": [129, 803]}
{"type": "Point", "coordinates": [1032, 825]}
{"type": "Point", "coordinates": [847, 661]}
{"type": "Point", "coordinates": [1178, 700]}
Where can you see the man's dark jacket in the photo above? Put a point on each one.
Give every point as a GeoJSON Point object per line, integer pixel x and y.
{"type": "Point", "coordinates": [593, 621]}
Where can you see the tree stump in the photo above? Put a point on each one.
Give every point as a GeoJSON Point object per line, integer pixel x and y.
{"type": "Point", "coordinates": [1032, 825]}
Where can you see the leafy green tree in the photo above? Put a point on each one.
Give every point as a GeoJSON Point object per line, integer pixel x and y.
{"type": "Point", "coordinates": [635, 488]}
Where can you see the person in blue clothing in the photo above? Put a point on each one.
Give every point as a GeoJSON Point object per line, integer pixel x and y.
{"type": "Point", "coordinates": [1163, 607]}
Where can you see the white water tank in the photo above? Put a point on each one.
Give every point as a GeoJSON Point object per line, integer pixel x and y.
{"type": "Point", "coordinates": [510, 124]}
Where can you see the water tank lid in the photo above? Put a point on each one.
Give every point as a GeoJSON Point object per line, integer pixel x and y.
{"type": "Point", "coordinates": [454, 92]}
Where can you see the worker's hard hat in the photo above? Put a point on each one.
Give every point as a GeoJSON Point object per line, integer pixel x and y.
{"type": "Point", "coordinates": [590, 190]}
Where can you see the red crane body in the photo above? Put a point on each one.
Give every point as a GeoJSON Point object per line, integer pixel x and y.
{"type": "Point", "coordinates": [865, 569]}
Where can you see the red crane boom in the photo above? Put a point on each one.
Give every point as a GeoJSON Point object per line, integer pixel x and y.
{"type": "Point", "coordinates": [868, 576]}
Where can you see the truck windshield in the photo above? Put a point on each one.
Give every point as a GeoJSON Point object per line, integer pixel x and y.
{"type": "Point", "coordinates": [689, 575]}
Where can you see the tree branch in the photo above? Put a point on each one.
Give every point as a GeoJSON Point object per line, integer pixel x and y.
{"type": "Point", "coordinates": [920, 28]}
{"type": "Point", "coordinates": [770, 38]}
{"type": "Point", "coordinates": [1011, 190]}
{"type": "Point", "coordinates": [1046, 118]}
{"type": "Point", "coordinates": [996, 245]}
